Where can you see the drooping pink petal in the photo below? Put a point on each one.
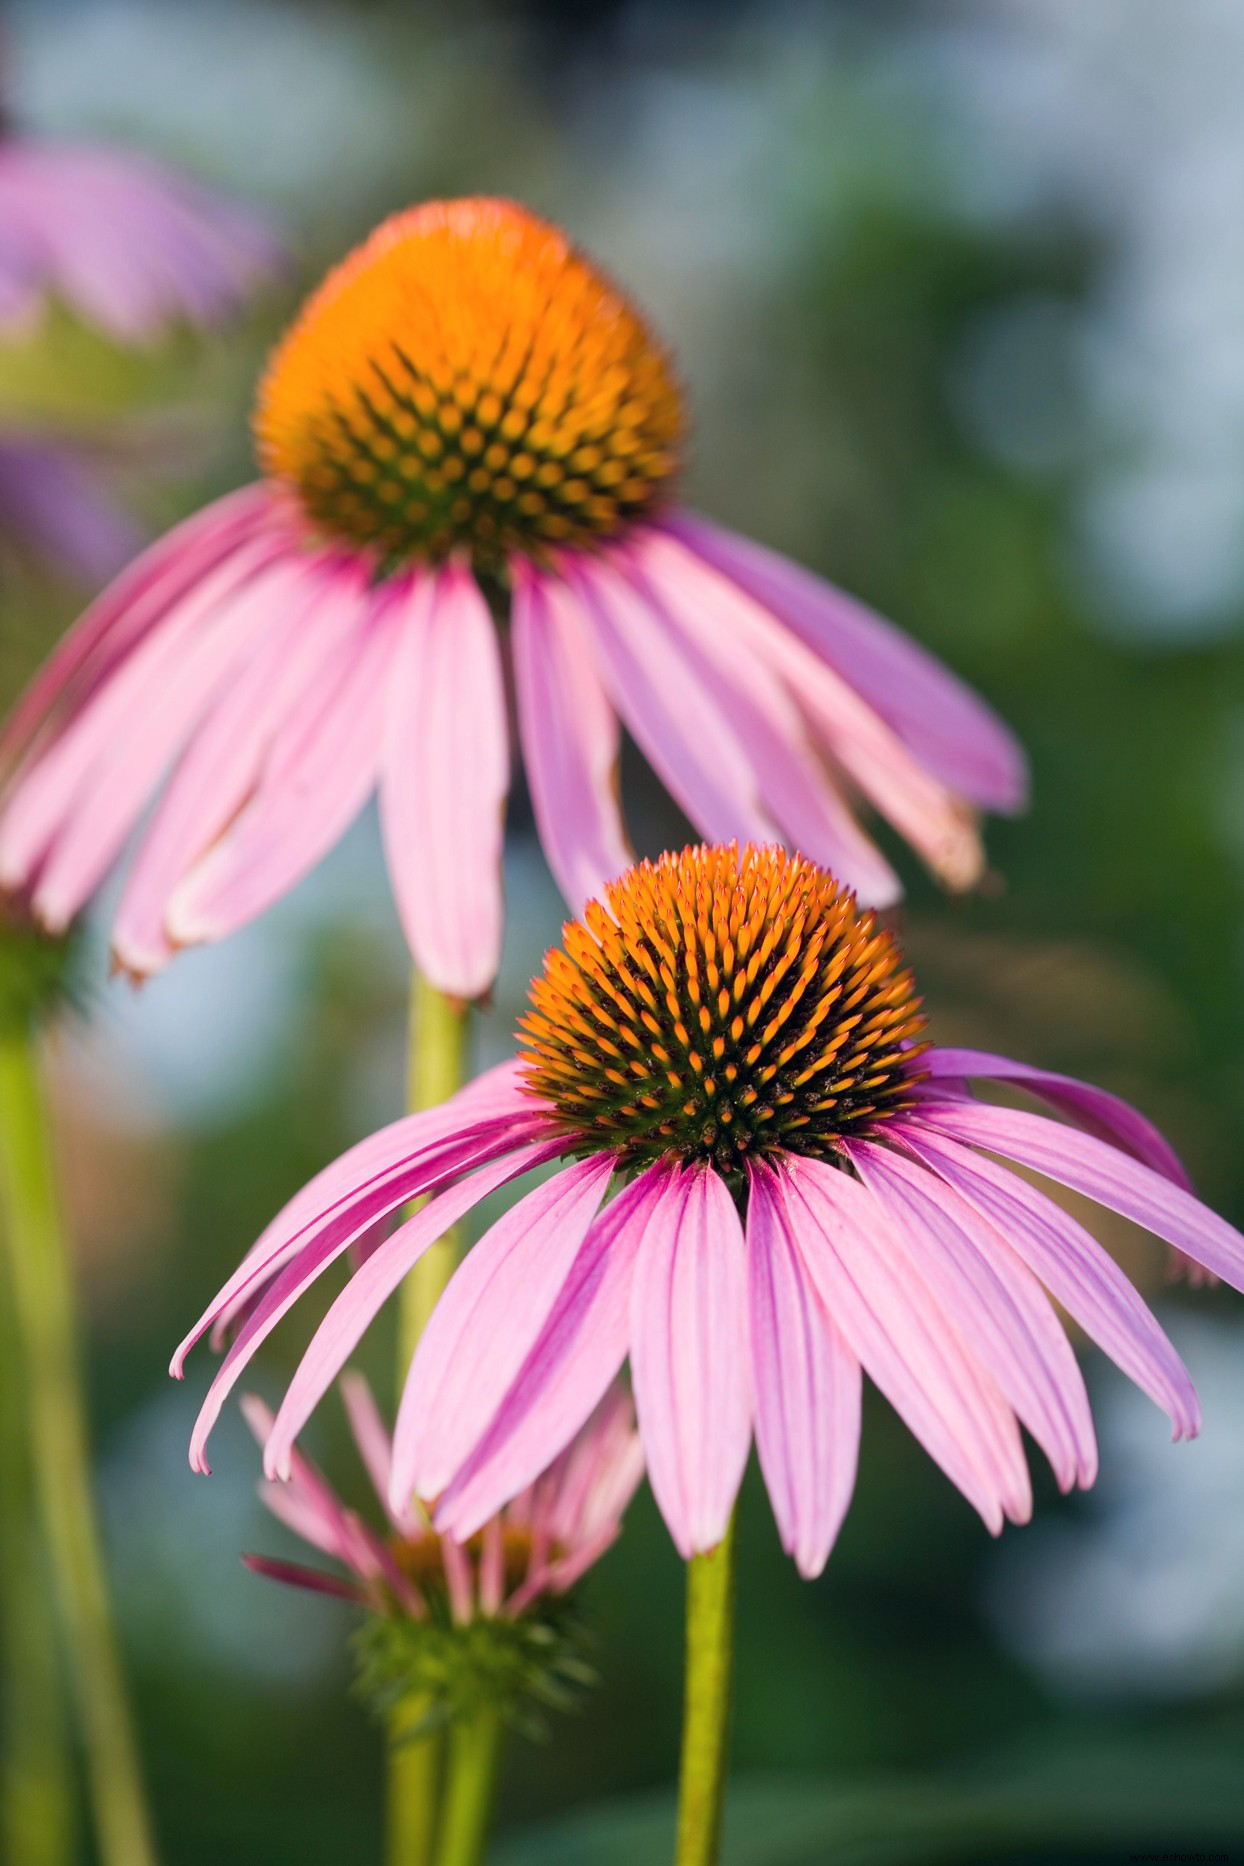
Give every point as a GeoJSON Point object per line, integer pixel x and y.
{"type": "Point", "coordinates": [320, 766]}
{"type": "Point", "coordinates": [904, 1340]}
{"type": "Point", "coordinates": [445, 778]}
{"type": "Point", "coordinates": [370, 1288]}
{"type": "Point", "coordinates": [676, 722]}
{"type": "Point", "coordinates": [485, 1324]}
{"type": "Point", "coordinates": [374, 1444]}
{"type": "Point", "coordinates": [313, 607]}
{"type": "Point", "coordinates": [757, 657]}
{"type": "Point", "coordinates": [690, 1361]}
{"type": "Point", "coordinates": [310, 1506]}
{"type": "Point", "coordinates": [570, 736]}
{"type": "Point", "coordinates": [394, 1161]}
{"type": "Point", "coordinates": [577, 1353]}
{"type": "Point", "coordinates": [950, 729]}
{"type": "Point", "coordinates": [323, 1246]}
{"type": "Point", "coordinates": [807, 1384]}
{"type": "Point", "coordinates": [1100, 1171]}
{"type": "Point", "coordinates": [723, 657]}
{"type": "Point", "coordinates": [70, 810]}
{"type": "Point", "coordinates": [1075, 1269]}
{"type": "Point", "coordinates": [293, 1574]}
{"type": "Point", "coordinates": [998, 1304]}
{"type": "Point", "coordinates": [1094, 1109]}
{"type": "Point", "coordinates": [132, 605]}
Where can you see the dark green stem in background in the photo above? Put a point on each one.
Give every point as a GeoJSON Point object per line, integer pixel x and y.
{"type": "Point", "coordinates": [46, 1325]}
{"type": "Point", "coordinates": [706, 1704]}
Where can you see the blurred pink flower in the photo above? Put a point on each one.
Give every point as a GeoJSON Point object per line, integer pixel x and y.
{"type": "Point", "coordinates": [545, 1539]}
{"type": "Point", "coordinates": [57, 508]}
{"type": "Point", "coordinates": [807, 1191]}
{"type": "Point", "coordinates": [467, 412]}
{"type": "Point", "coordinates": [128, 244]}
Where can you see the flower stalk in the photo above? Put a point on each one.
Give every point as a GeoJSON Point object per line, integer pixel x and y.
{"type": "Point", "coordinates": [437, 1044]}
{"type": "Point", "coordinates": [470, 1787]}
{"type": "Point", "coordinates": [42, 1286]}
{"type": "Point", "coordinates": [706, 1703]}
{"type": "Point", "coordinates": [37, 1789]}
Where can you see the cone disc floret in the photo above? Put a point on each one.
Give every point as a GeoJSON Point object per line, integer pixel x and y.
{"type": "Point", "coordinates": [723, 1003]}
{"type": "Point", "coordinates": [467, 379]}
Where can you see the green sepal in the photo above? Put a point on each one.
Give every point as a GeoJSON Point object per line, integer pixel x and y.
{"type": "Point", "coordinates": [41, 974]}
{"type": "Point", "coordinates": [420, 1676]}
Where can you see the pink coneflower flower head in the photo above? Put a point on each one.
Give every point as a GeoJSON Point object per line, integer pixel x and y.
{"type": "Point", "coordinates": [129, 245]}
{"type": "Point", "coordinates": [467, 422]}
{"type": "Point", "coordinates": [455, 1619]}
{"type": "Point", "coordinates": [806, 1192]}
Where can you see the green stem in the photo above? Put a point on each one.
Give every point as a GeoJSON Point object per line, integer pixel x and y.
{"type": "Point", "coordinates": [37, 1791]}
{"type": "Point", "coordinates": [434, 1072]}
{"type": "Point", "coordinates": [470, 1788]}
{"type": "Point", "coordinates": [44, 1307]}
{"type": "Point", "coordinates": [706, 1704]}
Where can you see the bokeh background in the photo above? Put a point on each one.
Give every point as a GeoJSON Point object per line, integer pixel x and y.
{"type": "Point", "coordinates": [957, 291]}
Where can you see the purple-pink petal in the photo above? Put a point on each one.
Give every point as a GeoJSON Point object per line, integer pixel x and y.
{"type": "Point", "coordinates": [370, 1288]}
{"type": "Point", "coordinates": [689, 1354]}
{"type": "Point", "coordinates": [1094, 1109]}
{"type": "Point", "coordinates": [446, 775]}
{"type": "Point", "coordinates": [904, 1340]}
{"type": "Point", "coordinates": [485, 1324]}
{"type": "Point", "coordinates": [1075, 1269]}
{"type": "Point", "coordinates": [807, 1384]}
{"type": "Point", "coordinates": [570, 735]}
{"type": "Point", "coordinates": [320, 767]}
{"type": "Point", "coordinates": [1100, 1171]}
{"type": "Point", "coordinates": [948, 727]}
{"type": "Point", "coordinates": [577, 1353]}
{"type": "Point", "coordinates": [996, 1301]}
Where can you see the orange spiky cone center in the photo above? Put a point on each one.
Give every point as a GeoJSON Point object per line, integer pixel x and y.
{"type": "Point", "coordinates": [467, 380]}
{"type": "Point", "coordinates": [723, 1003]}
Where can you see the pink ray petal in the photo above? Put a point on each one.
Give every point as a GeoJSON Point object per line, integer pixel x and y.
{"type": "Point", "coordinates": [375, 1447]}
{"type": "Point", "coordinates": [1075, 1269]}
{"type": "Point", "coordinates": [370, 1288]}
{"type": "Point", "coordinates": [1101, 1172]}
{"type": "Point", "coordinates": [132, 605]}
{"type": "Point", "coordinates": [701, 611]}
{"type": "Point", "coordinates": [906, 1343]}
{"type": "Point", "coordinates": [950, 729]}
{"type": "Point", "coordinates": [396, 1154]}
{"type": "Point", "coordinates": [320, 768]}
{"type": "Point", "coordinates": [485, 1325]}
{"type": "Point", "coordinates": [1096, 1110]}
{"type": "Point", "coordinates": [577, 1353]}
{"type": "Point", "coordinates": [310, 1506]}
{"type": "Point", "coordinates": [807, 1384]}
{"type": "Point", "coordinates": [76, 802]}
{"type": "Point", "coordinates": [293, 1574]}
{"type": "Point", "coordinates": [758, 657]}
{"type": "Point", "coordinates": [678, 725]}
{"type": "Point", "coordinates": [446, 772]}
{"type": "Point", "coordinates": [313, 608]}
{"type": "Point", "coordinates": [998, 1303]}
{"type": "Point", "coordinates": [689, 1355]}
{"type": "Point", "coordinates": [308, 1264]}
{"type": "Point", "coordinates": [570, 736]}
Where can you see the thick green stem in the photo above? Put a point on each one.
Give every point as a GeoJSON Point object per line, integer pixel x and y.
{"type": "Point", "coordinates": [434, 1072]}
{"type": "Point", "coordinates": [706, 1704]}
{"type": "Point", "coordinates": [44, 1309]}
{"type": "Point", "coordinates": [37, 1790]}
{"type": "Point", "coordinates": [470, 1788]}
